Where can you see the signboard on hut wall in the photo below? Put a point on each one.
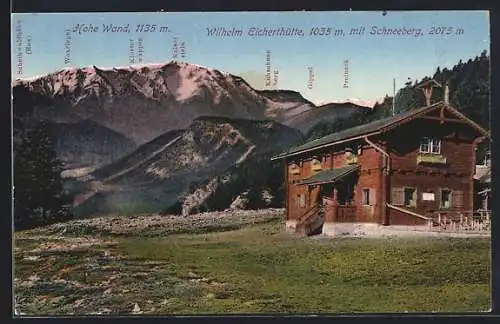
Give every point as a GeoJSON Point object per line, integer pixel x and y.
{"type": "Point", "coordinates": [428, 196]}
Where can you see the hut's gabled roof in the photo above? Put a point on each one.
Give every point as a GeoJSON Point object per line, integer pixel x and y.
{"type": "Point", "coordinates": [376, 127]}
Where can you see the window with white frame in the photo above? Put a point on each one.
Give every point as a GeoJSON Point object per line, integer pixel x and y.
{"type": "Point", "coordinates": [430, 145]}
{"type": "Point", "coordinates": [410, 197]}
{"type": "Point", "coordinates": [445, 198]}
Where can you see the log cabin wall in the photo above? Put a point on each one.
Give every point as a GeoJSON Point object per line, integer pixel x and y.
{"type": "Point", "coordinates": [370, 175]}
{"type": "Point", "coordinates": [433, 174]}
{"type": "Point", "coordinates": [297, 195]}
{"type": "Point", "coordinates": [399, 218]}
{"type": "Point", "coordinates": [302, 197]}
{"type": "Point", "coordinates": [430, 179]}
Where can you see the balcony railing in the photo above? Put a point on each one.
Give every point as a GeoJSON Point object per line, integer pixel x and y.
{"type": "Point", "coordinates": [351, 160]}
{"type": "Point", "coordinates": [431, 159]}
{"type": "Point", "coordinates": [316, 167]}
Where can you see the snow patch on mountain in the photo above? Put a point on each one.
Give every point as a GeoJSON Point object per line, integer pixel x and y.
{"type": "Point", "coordinates": [355, 101]}
{"type": "Point", "coordinates": [144, 101]}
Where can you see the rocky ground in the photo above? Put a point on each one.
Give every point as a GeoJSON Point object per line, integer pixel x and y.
{"type": "Point", "coordinates": [75, 268]}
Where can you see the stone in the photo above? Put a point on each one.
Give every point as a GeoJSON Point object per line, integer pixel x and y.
{"type": "Point", "coordinates": [136, 309]}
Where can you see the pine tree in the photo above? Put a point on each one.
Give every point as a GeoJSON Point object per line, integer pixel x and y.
{"type": "Point", "coordinates": [254, 197]}
{"type": "Point", "coordinates": [38, 190]}
{"type": "Point", "coordinates": [469, 85]}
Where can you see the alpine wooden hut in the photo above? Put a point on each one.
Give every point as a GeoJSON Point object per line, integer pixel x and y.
{"type": "Point", "coordinates": [400, 170]}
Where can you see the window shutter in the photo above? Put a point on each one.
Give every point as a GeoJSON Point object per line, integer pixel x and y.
{"type": "Point", "coordinates": [398, 196]}
{"type": "Point", "coordinates": [373, 196]}
{"type": "Point", "coordinates": [457, 198]}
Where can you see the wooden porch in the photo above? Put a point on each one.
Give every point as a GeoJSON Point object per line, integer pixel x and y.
{"type": "Point", "coordinates": [331, 199]}
{"type": "Point", "coordinates": [311, 221]}
{"type": "Point", "coordinates": [338, 213]}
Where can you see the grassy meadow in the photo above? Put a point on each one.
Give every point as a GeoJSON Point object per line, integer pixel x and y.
{"type": "Point", "coordinates": [252, 268]}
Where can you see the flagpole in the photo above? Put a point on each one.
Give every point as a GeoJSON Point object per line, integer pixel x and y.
{"type": "Point", "coordinates": [393, 95]}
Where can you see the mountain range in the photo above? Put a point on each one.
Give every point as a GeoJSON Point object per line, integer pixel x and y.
{"type": "Point", "coordinates": [149, 135]}
{"type": "Point", "coordinates": [186, 167]}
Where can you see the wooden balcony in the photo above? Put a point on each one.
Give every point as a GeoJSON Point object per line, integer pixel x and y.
{"type": "Point", "coordinates": [431, 159]}
{"type": "Point", "coordinates": [351, 160]}
{"type": "Point", "coordinates": [316, 167]}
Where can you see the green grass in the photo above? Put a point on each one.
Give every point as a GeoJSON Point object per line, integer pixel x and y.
{"type": "Point", "coordinates": [257, 268]}
{"type": "Point", "coordinates": [276, 273]}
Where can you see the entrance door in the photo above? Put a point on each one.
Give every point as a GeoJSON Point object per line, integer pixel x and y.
{"type": "Point", "coordinates": [345, 193]}
{"type": "Point", "coordinates": [327, 190]}
{"type": "Point", "coordinates": [314, 195]}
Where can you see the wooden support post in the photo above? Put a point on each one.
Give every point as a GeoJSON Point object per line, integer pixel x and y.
{"type": "Point", "coordinates": [335, 205]}
{"type": "Point", "coordinates": [335, 212]}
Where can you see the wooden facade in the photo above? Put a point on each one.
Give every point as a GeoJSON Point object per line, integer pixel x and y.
{"type": "Point", "coordinates": [400, 171]}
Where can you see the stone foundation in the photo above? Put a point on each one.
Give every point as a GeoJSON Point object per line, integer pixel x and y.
{"type": "Point", "coordinates": [406, 228]}
{"type": "Point", "coordinates": [361, 229]}
{"type": "Point", "coordinates": [376, 230]}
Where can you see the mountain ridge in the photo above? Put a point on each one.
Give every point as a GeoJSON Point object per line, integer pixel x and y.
{"type": "Point", "coordinates": [144, 101]}
{"type": "Point", "coordinates": [169, 169]}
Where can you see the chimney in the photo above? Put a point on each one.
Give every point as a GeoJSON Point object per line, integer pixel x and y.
{"type": "Point", "coordinates": [447, 94]}
{"type": "Point", "coordinates": [426, 87]}
{"type": "Point", "coordinates": [428, 95]}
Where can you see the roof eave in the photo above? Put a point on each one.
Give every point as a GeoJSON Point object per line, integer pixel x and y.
{"type": "Point", "coordinates": [326, 145]}
{"type": "Point", "coordinates": [392, 125]}
{"type": "Point", "coordinates": [278, 157]}
{"type": "Point", "coordinates": [353, 168]}
{"type": "Point", "coordinates": [472, 123]}
{"type": "Point", "coordinates": [395, 123]}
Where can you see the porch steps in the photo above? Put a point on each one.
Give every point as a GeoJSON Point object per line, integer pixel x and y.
{"type": "Point", "coordinates": [310, 222]}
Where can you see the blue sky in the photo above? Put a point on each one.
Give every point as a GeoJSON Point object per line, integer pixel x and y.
{"type": "Point", "coordinates": [374, 60]}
